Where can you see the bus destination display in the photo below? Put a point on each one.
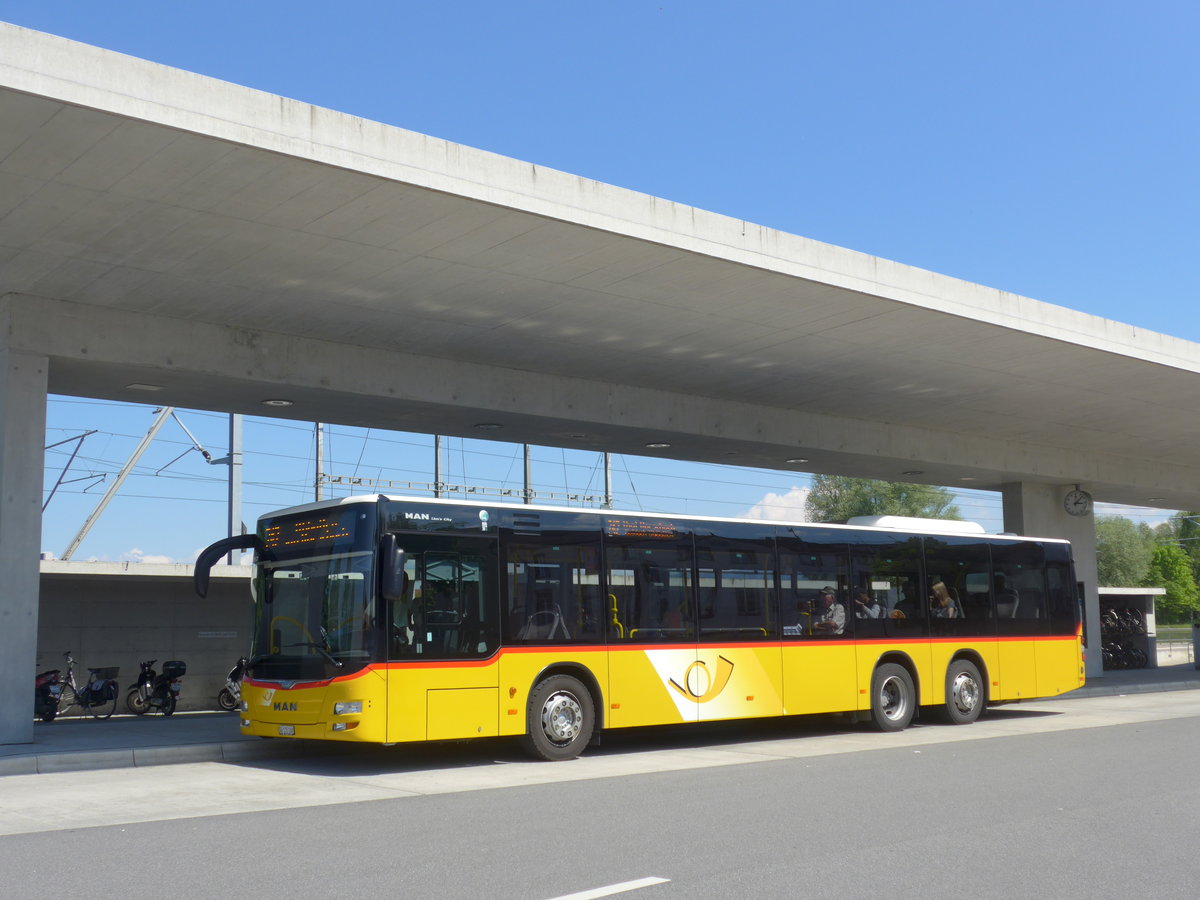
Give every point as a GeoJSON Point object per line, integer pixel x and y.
{"type": "Point", "coordinates": [642, 528]}
{"type": "Point", "coordinates": [311, 531]}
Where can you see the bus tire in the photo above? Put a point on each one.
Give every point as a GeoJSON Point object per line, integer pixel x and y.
{"type": "Point", "coordinates": [964, 693]}
{"type": "Point", "coordinates": [559, 720]}
{"type": "Point", "coordinates": [893, 697]}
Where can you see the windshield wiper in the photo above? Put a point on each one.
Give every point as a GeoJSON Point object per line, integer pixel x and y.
{"type": "Point", "coordinates": [320, 649]}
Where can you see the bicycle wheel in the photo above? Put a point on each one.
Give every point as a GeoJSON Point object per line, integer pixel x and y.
{"type": "Point", "coordinates": [102, 709]}
{"type": "Point", "coordinates": [67, 701]}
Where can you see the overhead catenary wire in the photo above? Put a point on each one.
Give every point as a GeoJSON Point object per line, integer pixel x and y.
{"type": "Point", "coordinates": [707, 488]}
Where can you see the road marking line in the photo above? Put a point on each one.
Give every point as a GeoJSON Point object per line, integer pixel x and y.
{"type": "Point", "coordinates": [611, 889]}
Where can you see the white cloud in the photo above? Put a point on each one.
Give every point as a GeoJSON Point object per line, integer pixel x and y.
{"type": "Point", "coordinates": [138, 555]}
{"type": "Point", "coordinates": [788, 507]}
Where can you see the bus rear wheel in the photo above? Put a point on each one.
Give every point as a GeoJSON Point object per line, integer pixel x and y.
{"type": "Point", "coordinates": [964, 693]}
{"type": "Point", "coordinates": [559, 719]}
{"type": "Point", "coordinates": [893, 698]}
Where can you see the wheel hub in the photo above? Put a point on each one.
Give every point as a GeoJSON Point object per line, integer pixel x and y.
{"type": "Point", "coordinates": [965, 693]}
{"type": "Point", "coordinates": [891, 695]}
{"type": "Point", "coordinates": [562, 718]}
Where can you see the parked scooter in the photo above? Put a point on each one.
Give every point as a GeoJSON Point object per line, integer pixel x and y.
{"type": "Point", "coordinates": [154, 691]}
{"type": "Point", "coordinates": [47, 688]}
{"type": "Point", "coordinates": [230, 696]}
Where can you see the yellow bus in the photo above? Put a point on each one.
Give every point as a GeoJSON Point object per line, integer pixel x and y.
{"type": "Point", "coordinates": [386, 620]}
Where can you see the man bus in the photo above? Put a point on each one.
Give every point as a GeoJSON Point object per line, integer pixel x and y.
{"type": "Point", "coordinates": [386, 620]}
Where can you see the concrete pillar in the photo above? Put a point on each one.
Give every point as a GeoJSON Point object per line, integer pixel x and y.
{"type": "Point", "coordinates": [1037, 510]}
{"type": "Point", "coordinates": [22, 437]}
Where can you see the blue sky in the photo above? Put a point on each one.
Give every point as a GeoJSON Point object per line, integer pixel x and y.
{"type": "Point", "coordinates": [1047, 149]}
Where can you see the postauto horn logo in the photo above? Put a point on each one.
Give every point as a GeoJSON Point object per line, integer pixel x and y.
{"type": "Point", "coordinates": [700, 685]}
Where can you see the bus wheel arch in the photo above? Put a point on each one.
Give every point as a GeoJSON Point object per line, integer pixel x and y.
{"type": "Point", "coordinates": [966, 689]}
{"type": "Point", "coordinates": [561, 714]}
{"type": "Point", "coordinates": [894, 693]}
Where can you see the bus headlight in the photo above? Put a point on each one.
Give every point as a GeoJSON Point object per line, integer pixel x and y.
{"type": "Point", "coordinates": [347, 707]}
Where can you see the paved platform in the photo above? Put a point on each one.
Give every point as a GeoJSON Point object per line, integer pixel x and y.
{"type": "Point", "coordinates": [84, 743]}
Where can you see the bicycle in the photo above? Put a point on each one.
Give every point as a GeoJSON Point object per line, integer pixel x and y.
{"type": "Point", "coordinates": [98, 694]}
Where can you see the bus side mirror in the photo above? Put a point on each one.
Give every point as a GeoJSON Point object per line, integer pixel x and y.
{"type": "Point", "coordinates": [391, 561]}
{"type": "Point", "coordinates": [209, 555]}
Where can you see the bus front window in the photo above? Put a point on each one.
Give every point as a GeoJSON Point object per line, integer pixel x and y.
{"type": "Point", "coordinates": [315, 617]}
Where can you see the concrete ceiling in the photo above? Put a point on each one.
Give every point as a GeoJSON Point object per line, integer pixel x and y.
{"type": "Point", "coordinates": [226, 246]}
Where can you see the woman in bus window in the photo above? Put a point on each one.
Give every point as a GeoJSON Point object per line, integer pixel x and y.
{"type": "Point", "coordinates": [941, 604]}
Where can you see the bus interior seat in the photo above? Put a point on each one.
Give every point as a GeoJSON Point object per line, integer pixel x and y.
{"type": "Point", "coordinates": [544, 625]}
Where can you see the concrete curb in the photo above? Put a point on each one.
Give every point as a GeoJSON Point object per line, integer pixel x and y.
{"type": "Point", "coordinates": [85, 760]}
{"type": "Point", "coordinates": [1113, 690]}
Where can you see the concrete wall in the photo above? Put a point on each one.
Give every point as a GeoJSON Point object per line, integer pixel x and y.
{"type": "Point", "coordinates": [119, 618]}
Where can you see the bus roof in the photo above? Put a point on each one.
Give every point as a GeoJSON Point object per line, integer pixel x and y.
{"type": "Point", "coordinates": [913, 523]}
{"type": "Point", "coordinates": [858, 523]}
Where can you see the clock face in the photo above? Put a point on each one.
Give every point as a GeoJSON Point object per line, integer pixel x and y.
{"type": "Point", "coordinates": [1077, 503]}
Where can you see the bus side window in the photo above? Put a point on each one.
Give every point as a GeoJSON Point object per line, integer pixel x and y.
{"type": "Point", "coordinates": [652, 581]}
{"type": "Point", "coordinates": [1019, 580]}
{"type": "Point", "coordinates": [553, 591]}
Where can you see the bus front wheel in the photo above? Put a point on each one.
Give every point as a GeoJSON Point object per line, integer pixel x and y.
{"type": "Point", "coordinates": [964, 693]}
{"type": "Point", "coordinates": [559, 719]}
{"type": "Point", "coordinates": [893, 698]}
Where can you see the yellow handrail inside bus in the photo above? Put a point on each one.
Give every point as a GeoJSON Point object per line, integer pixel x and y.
{"type": "Point", "coordinates": [612, 609]}
{"type": "Point", "coordinates": [271, 628]}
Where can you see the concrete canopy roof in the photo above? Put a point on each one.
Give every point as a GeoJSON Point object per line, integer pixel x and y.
{"type": "Point", "coordinates": [228, 246]}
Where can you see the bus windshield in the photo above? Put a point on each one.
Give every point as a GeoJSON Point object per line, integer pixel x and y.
{"type": "Point", "coordinates": [315, 614]}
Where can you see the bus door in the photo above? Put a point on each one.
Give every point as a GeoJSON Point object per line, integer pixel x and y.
{"type": "Point", "coordinates": [443, 638]}
{"type": "Point", "coordinates": [654, 675]}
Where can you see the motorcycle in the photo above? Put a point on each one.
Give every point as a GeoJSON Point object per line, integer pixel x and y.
{"type": "Point", "coordinates": [230, 696]}
{"type": "Point", "coordinates": [154, 691]}
{"type": "Point", "coordinates": [47, 688]}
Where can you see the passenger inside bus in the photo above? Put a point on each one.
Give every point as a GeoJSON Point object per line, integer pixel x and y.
{"type": "Point", "coordinates": [830, 617]}
{"type": "Point", "coordinates": [909, 605]}
{"type": "Point", "coordinates": [866, 606]}
{"type": "Point", "coordinates": [941, 602]}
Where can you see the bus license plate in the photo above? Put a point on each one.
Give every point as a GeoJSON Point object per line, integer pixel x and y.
{"type": "Point", "coordinates": [289, 730]}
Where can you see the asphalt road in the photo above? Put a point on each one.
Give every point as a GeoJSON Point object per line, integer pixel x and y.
{"type": "Point", "coordinates": [1073, 798]}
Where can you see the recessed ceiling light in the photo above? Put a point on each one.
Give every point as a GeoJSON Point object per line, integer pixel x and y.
{"type": "Point", "coordinates": [488, 426]}
{"type": "Point", "coordinates": [1155, 499]}
{"type": "Point", "coordinates": [913, 472]}
{"type": "Point", "coordinates": [277, 403]}
{"type": "Point", "coordinates": [657, 445]}
{"type": "Point", "coordinates": [138, 386]}
{"type": "Point", "coordinates": [797, 459]}
{"type": "Point", "coordinates": [967, 478]}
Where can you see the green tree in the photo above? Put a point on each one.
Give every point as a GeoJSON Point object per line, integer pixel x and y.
{"type": "Point", "coordinates": [1123, 551]}
{"type": "Point", "coordinates": [836, 498]}
{"type": "Point", "coordinates": [1183, 528]}
{"type": "Point", "coordinates": [1171, 568]}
